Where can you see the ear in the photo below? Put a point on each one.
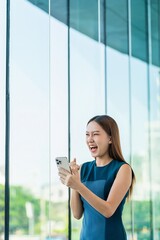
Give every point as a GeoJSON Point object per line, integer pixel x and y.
{"type": "Point", "coordinates": [110, 141]}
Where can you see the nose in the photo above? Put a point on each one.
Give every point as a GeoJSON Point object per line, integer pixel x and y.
{"type": "Point", "coordinates": [90, 139]}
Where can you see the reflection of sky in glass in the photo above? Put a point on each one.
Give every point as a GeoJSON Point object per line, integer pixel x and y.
{"type": "Point", "coordinates": [29, 94]}
{"type": "Point", "coordinates": [29, 91]}
{"type": "Point", "coordinates": [155, 93]}
{"type": "Point", "coordinates": [139, 106]}
{"type": "Point", "coordinates": [118, 94]}
{"type": "Point", "coordinates": [59, 91]}
{"type": "Point", "coordinates": [2, 87]}
{"type": "Point", "coordinates": [87, 89]}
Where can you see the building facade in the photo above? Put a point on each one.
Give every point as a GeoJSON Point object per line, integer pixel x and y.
{"type": "Point", "coordinates": [61, 63]}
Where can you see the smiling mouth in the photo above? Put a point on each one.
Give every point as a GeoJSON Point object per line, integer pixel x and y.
{"type": "Point", "coordinates": [93, 149]}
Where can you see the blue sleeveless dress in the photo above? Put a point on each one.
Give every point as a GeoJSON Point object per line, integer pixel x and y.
{"type": "Point", "coordinates": [99, 180]}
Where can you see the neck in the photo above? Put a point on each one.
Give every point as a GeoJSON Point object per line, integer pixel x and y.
{"type": "Point", "coordinates": [103, 161]}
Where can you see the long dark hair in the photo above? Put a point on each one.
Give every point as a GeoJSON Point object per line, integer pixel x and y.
{"type": "Point", "coordinates": [110, 126]}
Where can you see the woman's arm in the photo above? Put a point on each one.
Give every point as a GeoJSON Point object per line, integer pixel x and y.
{"type": "Point", "coordinates": [117, 192]}
{"type": "Point", "coordinates": [76, 204]}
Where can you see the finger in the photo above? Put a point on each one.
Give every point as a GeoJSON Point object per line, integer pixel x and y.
{"type": "Point", "coordinates": [72, 163]}
{"type": "Point", "coordinates": [62, 180]}
{"type": "Point", "coordinates": [63, 174]}
{"type": "Point", "coordinates": [63, 170]}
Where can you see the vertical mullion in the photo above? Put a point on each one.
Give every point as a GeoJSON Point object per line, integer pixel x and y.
{"type": "Point", "coordinates": [130, 102]}
{"type": "Point", "coordinates": [49, 120]}
{"type": "Point", "coordinates": [7, 127]}
{"type": "Point", "coordinates": [105, 56]}
{"type": "Point", "coordinates": [149, 112]}
{"type": "Point", "coordinates": [69, 118]}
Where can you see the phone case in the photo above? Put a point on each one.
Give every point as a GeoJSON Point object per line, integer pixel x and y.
{"type": "Point", "coordinates": [63, 162]}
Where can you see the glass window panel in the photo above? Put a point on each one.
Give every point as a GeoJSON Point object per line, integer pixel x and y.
{"type": "Point", "coordinates": [117, 25]}
{"type": "Point", "coordinates": [139, 29]}
{"type": "Point", "coordinates": [59, 124]}
{"type": "Point", "coordinates": [42, 4]}
{"type": "Point", "coordinates": [155, 32]}
{"type": "Point", "coordinates": [155, 143]}
{"type": "Point", "coordinates": [59, 10]}
{"type": "Point", "coordinates": [87, 94]}
{"type": "Point", "coordinates": [87, 86]}
{"type": "Point", "coordinates": [118, 108]}
{"type": "Point", "coordinates": [118, 93]}
{"type": "Point", "coordinates": [140, 156]}
{"type": "Point", "coordinates": [29, 141]}
{"type": "Point", "coordinates": [84, 17]}
{"type": "Point", "coordinates": [2, 110]}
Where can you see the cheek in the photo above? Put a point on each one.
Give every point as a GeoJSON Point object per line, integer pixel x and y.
{"type": "Point", "coordinates": [104, 144]}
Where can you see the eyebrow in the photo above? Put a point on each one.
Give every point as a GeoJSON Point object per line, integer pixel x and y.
{"type": "Point", "coordinates": [93, 131]}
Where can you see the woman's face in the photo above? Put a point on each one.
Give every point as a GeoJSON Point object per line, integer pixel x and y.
{"type": "Point", "coordinates": [97, 140]}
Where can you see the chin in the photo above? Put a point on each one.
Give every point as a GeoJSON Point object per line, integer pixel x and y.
{"type": "Point", "coordinates": [94, 155]}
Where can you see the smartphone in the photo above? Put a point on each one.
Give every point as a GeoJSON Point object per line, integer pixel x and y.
{"type": "Point", "coordinates": [63, 162]}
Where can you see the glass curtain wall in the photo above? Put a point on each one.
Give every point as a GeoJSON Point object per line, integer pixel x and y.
{"type": "Point", "coordinates": [71, 60]}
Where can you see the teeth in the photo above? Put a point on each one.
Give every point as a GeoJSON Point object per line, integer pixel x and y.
{"type": "Point", "coordinates": [92, 147]}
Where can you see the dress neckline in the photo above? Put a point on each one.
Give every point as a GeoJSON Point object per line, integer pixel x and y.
{"type": "Point", "coordinates": [103, 165]}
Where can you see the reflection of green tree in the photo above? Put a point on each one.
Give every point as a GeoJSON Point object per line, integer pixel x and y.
{"type": "Point", "coordinates": [141, 214]}
{"type": "Point", "coordinates": [142, 218]}
{"type": "Point", "coordinates": [18, 198]}
{"type": "Point", "coordinates": [1, 208]}
{"type": "Point", "coordinates": [57, 212]}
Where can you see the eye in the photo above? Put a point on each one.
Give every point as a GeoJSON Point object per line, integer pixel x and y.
{"type": "Point", "coordinates": [87, 134]}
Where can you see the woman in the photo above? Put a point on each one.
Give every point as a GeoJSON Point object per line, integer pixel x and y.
{"type": "Point", "coordinates": [100, 188]}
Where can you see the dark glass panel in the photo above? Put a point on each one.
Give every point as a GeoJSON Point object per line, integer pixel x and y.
{"type": "Point", "coordinates": [155, 32]}
{"type": "Point", "coordinates": [139, 29]}
{"type": "Point", "coordinates": [117, 25]}
{"type": "Point", "coordinates": [84, 17]}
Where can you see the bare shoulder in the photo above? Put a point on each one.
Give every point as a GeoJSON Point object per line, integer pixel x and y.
{"type": "Point", "coordinates": [126, 167]}
{"type": "Point", "coordinates": [125, 172]}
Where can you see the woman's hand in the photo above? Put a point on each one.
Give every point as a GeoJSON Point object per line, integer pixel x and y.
{"type": "Point", "coordinates": [71, 180]}
{"type": "Point", "coordinates": [74, 166]}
